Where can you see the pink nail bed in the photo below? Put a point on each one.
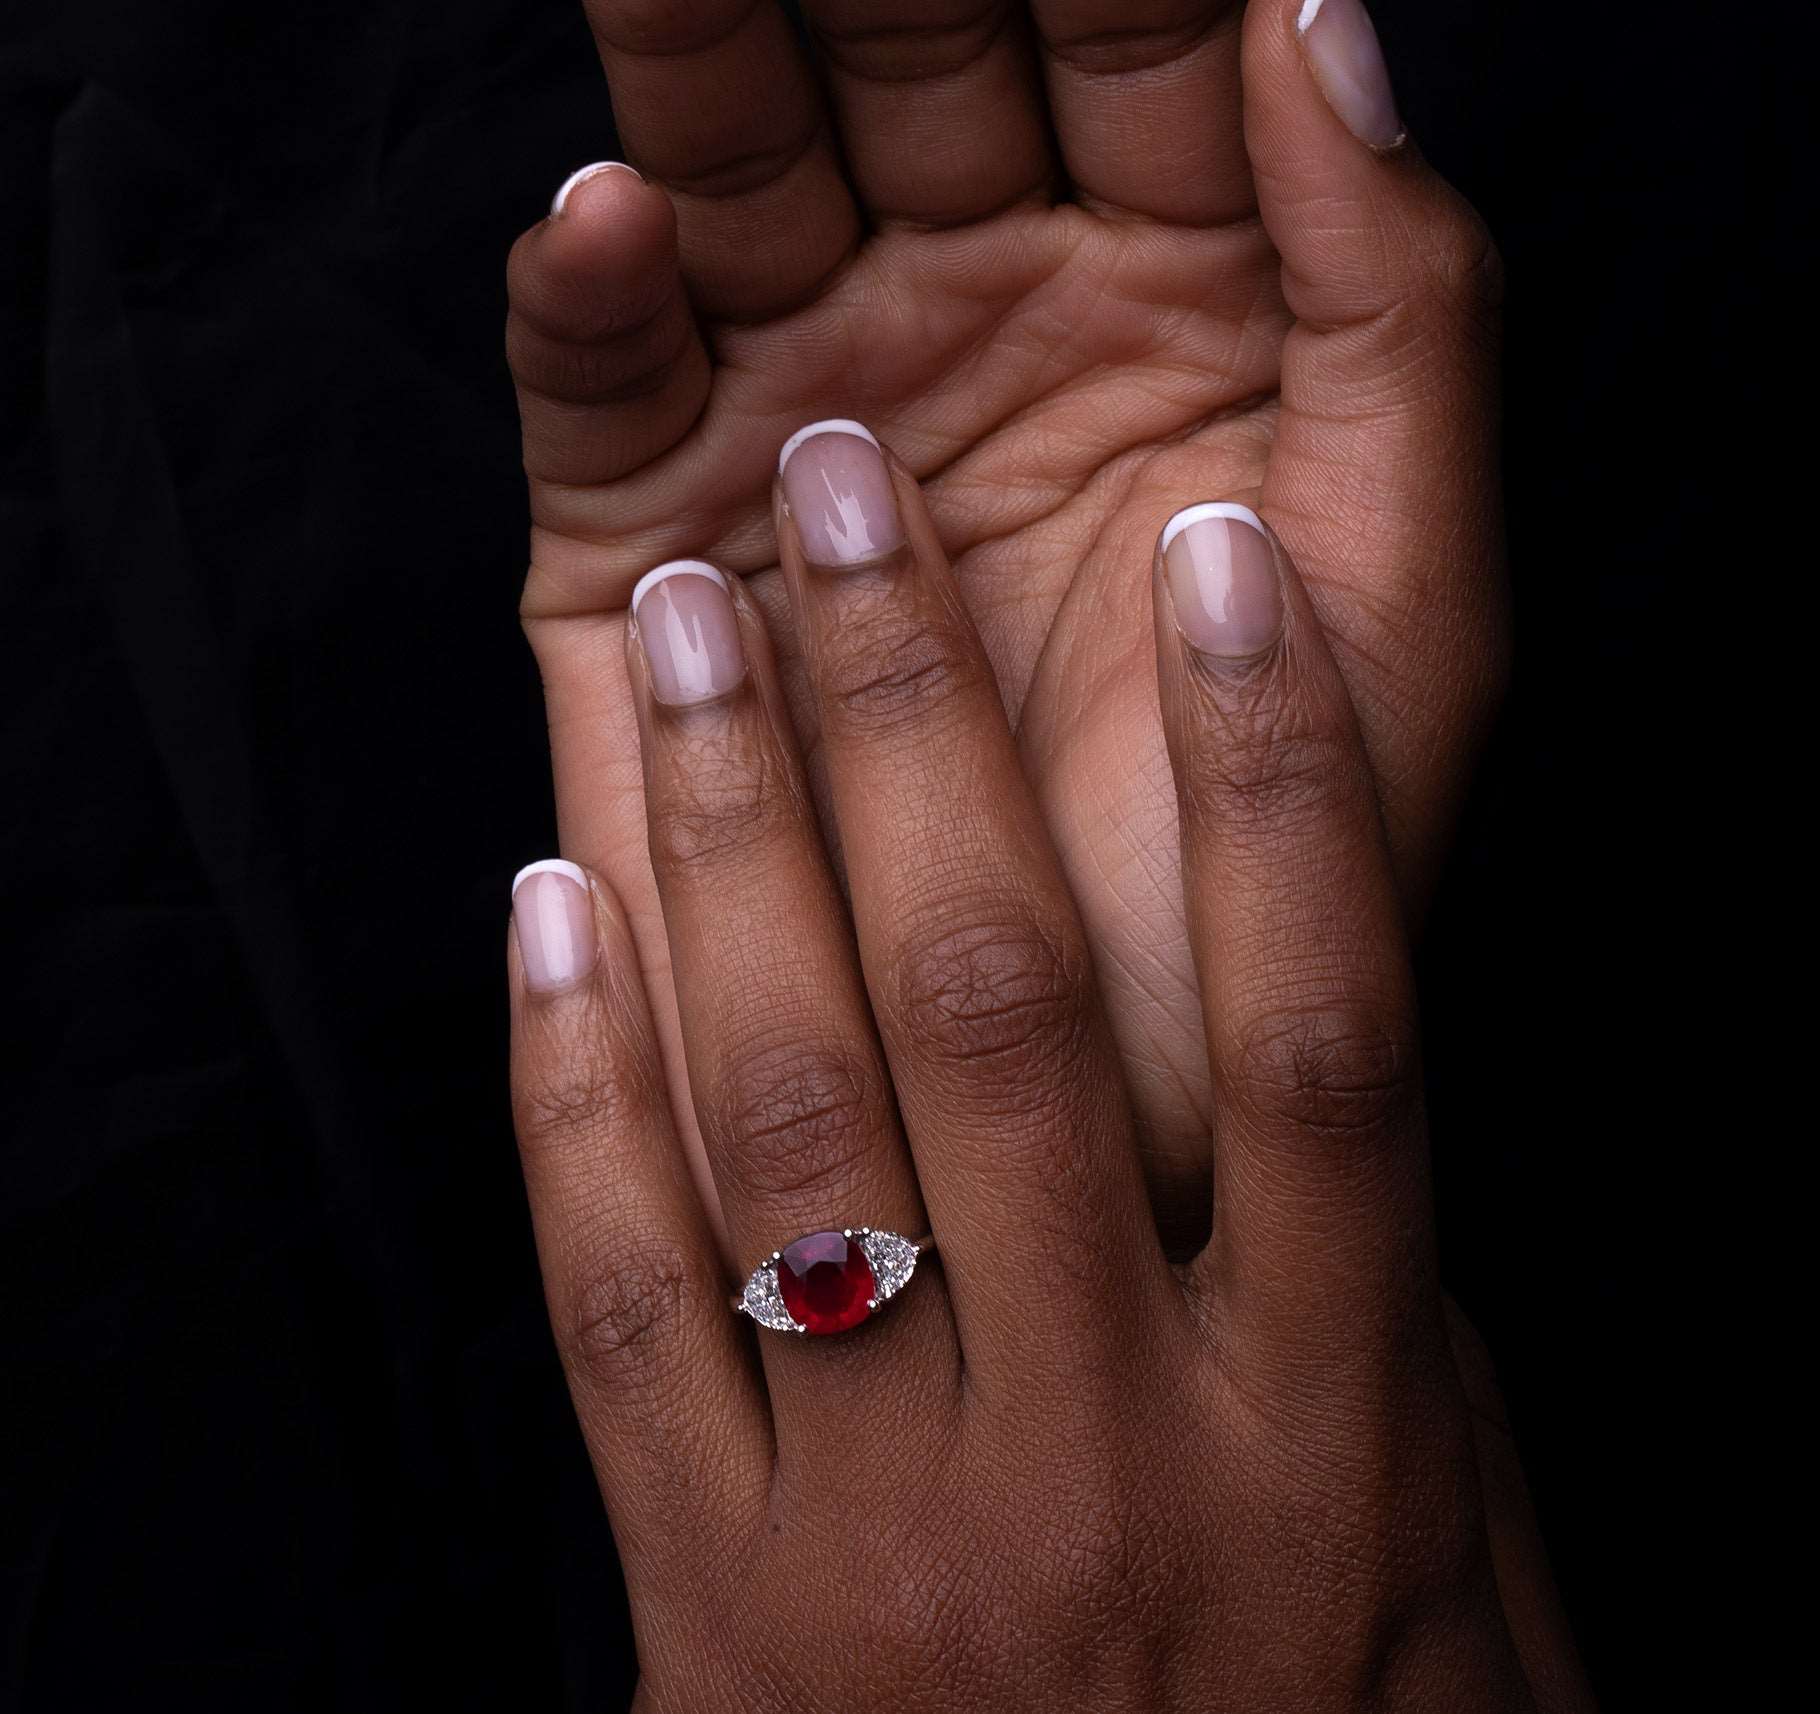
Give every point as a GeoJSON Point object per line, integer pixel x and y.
{"type": "Point", "coordinates": [838, 489]}
{"type": "Point", "coordinates": [1222, 580]}
{"type": "Point", "coordinates": [553, 916]}
{"type": "Point", "coordinates": [1348, 64]}
{"type": "Point", "coordinates": [689, 633]}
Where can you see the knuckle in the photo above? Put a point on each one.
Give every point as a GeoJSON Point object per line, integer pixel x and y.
{"type": "Point", "coordinates": [632, 1308]}
{"type": "Point", "coordinates": [592, 1101]}
{"type": "Point", "coordinates": [1340, 1073]}
{"type": "Point", "coordinates": [1459, 260]}
{"type": "Point", "coordinates": [719, 797]}
{"type": "Point", "coordinates": [591, 343]}
{"type": "Point", "coordinates": [739, 171]}
{"type": "Point", "coordinates": [995, 995]}
{"type": "Point", "coordinates": [943, 38]}
{"type": "Point", "coordinates": [791, 1119]}
{"type": "Point", "coordinates": [878, 680]}
{"type": "Point", "coordinates": [1264, 766]}
{"type": "Point", "coordinates": [1084, 38]}
{"type": "Point", "coordinates": [662, 27]}
{"type": "Point", "coordinates": [579, 373]}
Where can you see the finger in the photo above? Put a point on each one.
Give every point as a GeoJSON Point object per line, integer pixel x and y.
{"type": "Point", "coordinates": [1145, 95]}
{"type": "Point", "coordinates": [973, 952]}
{"type": "Point", "coordinates": [940, 106]}
{"type": "Point", "coordinates": [789, 1084]}
{"type": "Point", "coordinates": [1322, 1237]}
{"type": "Point", "coordinates": [598, 775]}
{"type": "Point", "coordinates": [609, 365]}
{"type": "Point", "coordinates": [716, 101]}
{"type": "Point", "coordinates": [1383, 479]}
{"type": "Point", "coordinates": [668, 1402]}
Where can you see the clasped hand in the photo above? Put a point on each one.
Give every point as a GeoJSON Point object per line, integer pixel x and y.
{"type": "Point", "coordinates": [1007, 820]}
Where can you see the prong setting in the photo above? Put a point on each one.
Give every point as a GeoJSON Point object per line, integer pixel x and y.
{"type": "Point", "coordinates": [884, 1260]}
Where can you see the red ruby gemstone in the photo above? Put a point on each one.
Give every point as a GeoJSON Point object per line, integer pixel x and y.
{"type": "Point", "coordinates": [826, 1282]}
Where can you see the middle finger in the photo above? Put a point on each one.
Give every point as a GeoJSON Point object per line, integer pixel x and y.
{"type": "Point", "coordinates": [972, 948]}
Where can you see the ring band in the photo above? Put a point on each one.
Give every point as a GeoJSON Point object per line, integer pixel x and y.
{"type": "Point", "coordinates": [826, 1282]}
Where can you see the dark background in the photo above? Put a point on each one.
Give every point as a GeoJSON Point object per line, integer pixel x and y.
{"type": "Point", "coordinates": [282, 1425]}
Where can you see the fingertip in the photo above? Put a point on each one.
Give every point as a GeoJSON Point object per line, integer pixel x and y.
{"type": "Point", "coordinates": [1340, 44]}
{"type": "Point", "coordinates": [553, 922]}
{"type": "Point", "coordinates": [567, 923]}
{"type": "Point", "coordinates": [606, 249]}
{"type": "Point", "coordinates": [550, 866]}
{"type": "Point", "coordinates": [1316, 86]}
{"type": "Point", "coordinates": [599, 319]}
{"type": "Point", "coordinates": [582, 176]}
{"type": "Point", "coordinates": [840, 494]}
{"type": "Point", "coordinates": [1204, 510]}
{"type": "Point", "coordinates": [1219, 575]}
{"type": "Point", "coordinates": [675, 568]}
{"type": "Point", "coordinates": [827, 425]}
{"type": "Point", "coordinates": [1346, 196]}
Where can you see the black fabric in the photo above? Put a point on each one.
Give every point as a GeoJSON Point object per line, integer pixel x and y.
{"type": "Point", "coordinates": [284, 1429]}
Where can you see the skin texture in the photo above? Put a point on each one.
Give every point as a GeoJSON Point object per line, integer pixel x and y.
{"type": "Point", "coordinates": [1057, 1471]}
{"type": "Point", "coordinates": [1267, 311]}
{"type": "Point", "coordinates": [1040, 258]}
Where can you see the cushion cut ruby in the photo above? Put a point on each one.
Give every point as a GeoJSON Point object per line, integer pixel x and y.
{"type": "Point", "coordinates": [826, 1282]}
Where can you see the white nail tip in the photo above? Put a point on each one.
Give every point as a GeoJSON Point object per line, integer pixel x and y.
{"type": "Point", "coordinates": [1310, 11]}
{"type": "Point", "coordinates": [551, 866]}
{"type": "Point", "coordinates": [671, 568]}
{"type": "Point", "coordinates": [1213, 509]}
{"type": "Point", "coordinates": [588, 172]}
{"type": "Point", "coordinates": [833, 425]}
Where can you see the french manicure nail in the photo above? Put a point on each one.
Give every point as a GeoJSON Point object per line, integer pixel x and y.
{"type": "Point", "coordinates": [582, 173]}
{"type": "Point", "coordinates": [1348, 64]}
{"type": "Point", "coordinates": [839, 493]}
{"type": "Point", "coordinates": [689, 633]}
{"type": "Point", "coordinates": [1223, 580]}
{"type": "Point", "coordinates": [554, 917]}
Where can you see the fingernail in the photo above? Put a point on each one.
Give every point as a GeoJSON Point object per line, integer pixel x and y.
{"type": "Point", "coordinates": [588, 172]}
{"type": "Point", "coordinates": [1223, 580]}
{"type": "Point", "coordinates": [554, 917]}
{"type": "Point", "coordinates": [688, 631]}
{"type": "Point", "coordinates": [839, 493]}
{"type": "Point", "coordinates": [1348, 64]}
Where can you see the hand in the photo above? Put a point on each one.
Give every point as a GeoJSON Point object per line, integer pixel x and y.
{"type": "Point", "coordinates": [1055, 1472]}
{"type": "Point", "coordinates": [1286, 312]}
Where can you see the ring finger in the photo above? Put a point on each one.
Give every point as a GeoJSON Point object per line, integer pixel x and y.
{"type": "Point", "coordinates": [785, 1071]}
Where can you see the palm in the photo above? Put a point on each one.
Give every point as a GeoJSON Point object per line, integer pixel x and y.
{"type": "Point", "coordinates": [1061, 380]}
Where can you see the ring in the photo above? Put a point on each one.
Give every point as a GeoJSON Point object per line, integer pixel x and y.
{"type": "Point", "coordinates": [829, 1281]}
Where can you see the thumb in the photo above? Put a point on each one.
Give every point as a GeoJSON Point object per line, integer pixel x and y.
{"type": "Point", "coordinates": [1383, 479]}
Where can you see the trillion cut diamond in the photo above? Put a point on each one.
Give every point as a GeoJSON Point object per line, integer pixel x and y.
{"type": "Point", "coordinates": [764, 1303]}
{"type": "Point", "coordinates": [893, 1261]}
